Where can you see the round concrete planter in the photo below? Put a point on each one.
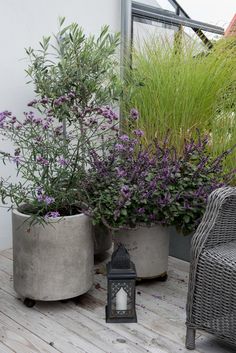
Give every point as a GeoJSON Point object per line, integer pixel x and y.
{"type": "Point", "coordinates": [102, 239]}
{"type": "Point", "coordinates": [148, 248]}
{"type": "Point", "coordinates": [55, 261]}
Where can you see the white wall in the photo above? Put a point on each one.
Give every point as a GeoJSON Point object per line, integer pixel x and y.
{"type": "Point", "coordinates": [22, 24]}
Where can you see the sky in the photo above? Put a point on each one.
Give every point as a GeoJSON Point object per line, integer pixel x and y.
{"type": "Point", "coordinates": [217, 12]}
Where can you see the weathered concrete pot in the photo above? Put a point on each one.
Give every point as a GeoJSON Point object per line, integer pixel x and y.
{"type": "Point", "coordinates": [55, 261]}
{"type": "Point", "coordinates": [148, 248]}
{"type": "Point", "coordinates": [102, 239]}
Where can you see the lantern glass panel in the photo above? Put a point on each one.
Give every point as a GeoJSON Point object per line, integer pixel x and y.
{"type": "Point", "coordinates": [122, 298]}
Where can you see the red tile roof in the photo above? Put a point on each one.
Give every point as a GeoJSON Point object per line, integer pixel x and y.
{"type": "Point", "coordinates": [231, 29]}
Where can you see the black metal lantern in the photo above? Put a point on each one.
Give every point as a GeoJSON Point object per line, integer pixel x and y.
{"type": "Point", "coordinates": [121, 277]}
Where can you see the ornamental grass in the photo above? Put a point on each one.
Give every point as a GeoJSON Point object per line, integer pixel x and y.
{"type": "Point", "coordinates": [186, 88]}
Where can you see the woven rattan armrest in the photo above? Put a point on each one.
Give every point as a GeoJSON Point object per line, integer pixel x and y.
{"type": "Point", "coordinates": [219, 221]}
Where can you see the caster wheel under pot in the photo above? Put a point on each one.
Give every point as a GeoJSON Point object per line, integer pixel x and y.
{"type": "Point", "coordinates": [163, 278]}
{"type": "Point", "coordinates": [29, 302]}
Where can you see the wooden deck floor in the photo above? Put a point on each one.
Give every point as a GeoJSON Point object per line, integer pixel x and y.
{"type": "Point", "coordinates": [79, 326]}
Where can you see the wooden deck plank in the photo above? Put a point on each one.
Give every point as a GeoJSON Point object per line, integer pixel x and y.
{"type": "Point", "coordinates": [19, 339]}
{"type": "Point", "coordinates": [80, 326]}
{"type": "Point", "coordinates": [143, 336]}
{"type": "Point", "coordinates": [7, 253]}
{"type": "Point", "coordinates": [104, 335]}
{"type": "Point", "coordinates": [48, 330]}
{"type": "Point", "coordinates": [65, 309]}
{"type": "Point", "coordinates": [5, 349]}
{"type": "Point", "coordinates": [171, 329]}
{"type": "Point", "coordinates": [152, 302]}
{"type": "Point", "coordinates": [6, 265]}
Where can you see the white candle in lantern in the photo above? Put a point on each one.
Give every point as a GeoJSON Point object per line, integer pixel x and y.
{"type": "Point", "coordinates": [121, 300]}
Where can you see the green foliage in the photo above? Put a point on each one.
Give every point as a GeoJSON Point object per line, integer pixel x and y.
{"type": "Point", "coordinates": [71, 61]}
{"type": "Point", "coordinates": [184, 90]}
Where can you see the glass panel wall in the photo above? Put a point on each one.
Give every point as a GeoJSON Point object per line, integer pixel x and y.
{"type": "Point", "coordinates": [144, 29]}
{"type": "Point", "coordinates": [164, 18]}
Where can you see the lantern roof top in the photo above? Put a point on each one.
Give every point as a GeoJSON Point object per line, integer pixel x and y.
{"type": "Point", "coordinates": [120, 258]}
{"type": "Point", "coordinates": [120, 265]}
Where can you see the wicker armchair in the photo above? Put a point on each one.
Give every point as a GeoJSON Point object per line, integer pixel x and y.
{"type": "Point", "coordinates": [211, 304]}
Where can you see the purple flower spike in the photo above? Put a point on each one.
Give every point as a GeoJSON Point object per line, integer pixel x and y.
{"type": "Point", "coordinates": [124, 138]}
{"type": "Point", "coordinates": [52, 214]}
{"type": "Point", "coordinates": [49, 200]}
{"type": "Point", "coordinates": [44, 100]}
{"type": "Point", "coordinates": [63, 99]}
{"type": "Point", "coordinates": [16, 160]}
{"type": "Point", "coordinates": [46, 126]}
{"type": "Point", "coordinates": [40, 197]}
{"type": "Point", "coordinates": [42, 161]}
{"type": "Point", "coordinates": [2, 122]}
{"type": "Point", "coordinates": [2, 117]}
{"type": "Point", "coordinates": [71, 95]}
{"type": "Point", "coordinates": [57, 102]}
{"type": "Point", "coordinates": [115, 116]}
{"type": "Point", "coordinates": [58, 130]}
{"type": "Point", "coordinates": [29, 118]}
{"type": "Point", "coordinates": [63, 162]}
{"type": "Point", "coordinates": [108, 113]}
{"type": "Point", "coordinates": [37, 121]}
{"type": "Point", "coordinates": [152, 217]}
{"type": "Point", "coordinates": [141, 210]}
{"type": "Point", "coordinates": [121, 172]}
{"type": "Point", "coordinates": [134, 114]}
{"type": "Point", "coordinates": [13, 120]}
{"type": "Point", "coordinates": [6, 113]}
{"type": "Point", "coordinates": [39, 193]}
{"type": "Point", "coordinates": [125, 191]}
{"type": "Point", "coordinates": [32, 103]}
{"type": "Point", "coordinates": [39, 190]}
{"type": "Point", "coordinates": [119, 147]}
{"type": "Point", "coordinates": [138, 133]}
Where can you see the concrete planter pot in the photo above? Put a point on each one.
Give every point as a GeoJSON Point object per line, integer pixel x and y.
{"type": "Point", "coordinates": [55, 261]}
{"type": "Point", "coordinates": [102, 239]}
{"type": "Point", "coordinates": [148, 248]}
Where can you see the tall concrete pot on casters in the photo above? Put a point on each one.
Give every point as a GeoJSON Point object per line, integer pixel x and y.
{"type": "Point", "coordinates": [52, 261]}
{"type": "Point", "coordinates": [148, 248]}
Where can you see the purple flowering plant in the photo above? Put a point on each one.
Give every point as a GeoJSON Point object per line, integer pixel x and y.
{"type": "Point", "coordinates": [49, 160]}
{"type": "Point", "coordinates": [132, 185]}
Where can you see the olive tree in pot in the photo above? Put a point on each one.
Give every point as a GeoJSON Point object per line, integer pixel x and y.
{"type": "Point", "coordinates": [139, 193]}
{"type": "Point", "coordinates": [71, 64]}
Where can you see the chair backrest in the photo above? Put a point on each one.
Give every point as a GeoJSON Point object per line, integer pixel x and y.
{"type": "Point", "coordinates": [218, 225]}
